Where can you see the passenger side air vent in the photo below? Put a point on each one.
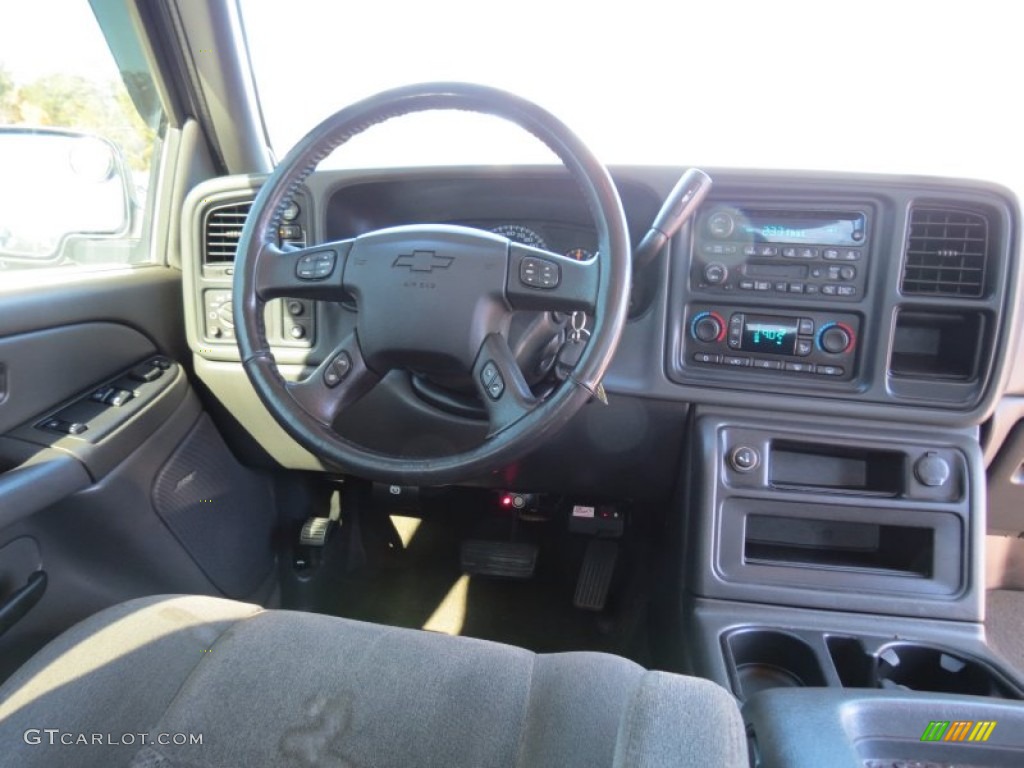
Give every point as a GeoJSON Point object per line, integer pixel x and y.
{"type": "Point", "coordinates": [945, 254]}
{"type": "Point", "coordinates": [222, 231]}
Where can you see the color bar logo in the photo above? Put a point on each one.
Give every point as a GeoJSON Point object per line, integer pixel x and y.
{"type": "Point", "coordinates": [958, 730]}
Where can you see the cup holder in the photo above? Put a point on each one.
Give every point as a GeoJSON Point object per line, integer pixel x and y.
{"type": "Point", "coordinates": [762, 659]}
{"type": "Point", "coordinates": [924, 668]}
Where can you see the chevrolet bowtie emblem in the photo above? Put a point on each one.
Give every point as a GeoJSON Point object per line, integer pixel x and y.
{"type": "Point", "coordinates": [423, 261]}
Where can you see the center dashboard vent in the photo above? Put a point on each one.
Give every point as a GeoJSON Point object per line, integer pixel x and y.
{"type": "Point", "coordinates": [222, 231]}
{"type": "Point", "coordinates": [946, 253]}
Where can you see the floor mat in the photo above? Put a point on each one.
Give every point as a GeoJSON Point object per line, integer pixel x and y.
{"type": "Point", "coordinates": [1004, 624]}
{"type": "Point", "coordinates": [409, 575]}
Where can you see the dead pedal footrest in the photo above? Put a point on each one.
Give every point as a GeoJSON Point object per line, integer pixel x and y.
{"type": "Point", "coordinates": [596, 574]}
{"type": "Point", "coordinates": [508, 559]}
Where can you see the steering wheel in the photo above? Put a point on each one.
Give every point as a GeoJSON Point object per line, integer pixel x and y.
{"type": "Point", "coordinates": [431, 298]}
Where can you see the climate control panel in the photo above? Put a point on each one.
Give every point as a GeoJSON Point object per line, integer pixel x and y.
{"type": "Point", "coordinates": [814, 344]}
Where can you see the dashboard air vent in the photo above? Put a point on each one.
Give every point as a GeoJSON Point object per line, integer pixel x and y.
{"type": "Point", "coordinates": [222, 232]}
{"type": "Point", "coordinates": [945, 254]}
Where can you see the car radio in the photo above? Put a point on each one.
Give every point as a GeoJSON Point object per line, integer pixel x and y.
{"type": "Point", "coordinates": [800, 253]}
{"type": "Point", "coordinates": [811, 343]}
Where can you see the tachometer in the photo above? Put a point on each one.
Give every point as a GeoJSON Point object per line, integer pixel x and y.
{"type": "Point", "coordinates": [517, 233]}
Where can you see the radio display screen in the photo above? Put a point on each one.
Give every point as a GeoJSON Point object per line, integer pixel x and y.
{"type": "Point", "coordinates": [767, 334]}
{"type": "Point", "coordinates": [790, 227]}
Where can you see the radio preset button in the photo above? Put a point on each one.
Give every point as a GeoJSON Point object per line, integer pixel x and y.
{"type": "Point", "coordinates": [830, 254]}
{"type": "Point", "coordinates": [707, 357]}
{"type": "Point", "coordinates": [762, 285]}
{"type": "Point", "coordinates": [800, 367]}
{"type": "Point", "coordinates": [746, 285]}
{"type": "Point", "coordinates": [807, 253]}
{"type": "Point", "coordinates": [781, 287]}
{"type": "Point", "coordinates": [796, 287]}
{"type": "Point", "coordinates": [849, 255]}
{"type": "Point", "coordinates": [768, 250]}
{"type": "Point", "coordinates": [789, 252]}
{"type": "Point", "coordinates": [830, 370]}
{"type": "Point", "coordinates": [811, 288]}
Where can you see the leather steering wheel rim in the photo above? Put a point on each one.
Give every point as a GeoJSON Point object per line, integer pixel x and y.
{"type": "Point", "coordinates": [258, 257]}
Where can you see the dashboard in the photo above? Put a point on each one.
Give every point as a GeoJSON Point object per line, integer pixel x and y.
{"type": "Point", "coordinates": [871, 297]}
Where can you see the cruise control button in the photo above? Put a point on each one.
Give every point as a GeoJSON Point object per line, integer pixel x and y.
{"type": "Point", "coordinates": [496, 387]}
{"type": "Point", "coordinates": [315, 266]}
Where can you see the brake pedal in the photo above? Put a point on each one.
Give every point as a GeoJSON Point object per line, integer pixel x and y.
{"type": "Point", "coordinates": [315, 531]}
{"type": "Point", "coordinates": [595, 577]}
{"type": "Point", "coordinates": [507, 559]}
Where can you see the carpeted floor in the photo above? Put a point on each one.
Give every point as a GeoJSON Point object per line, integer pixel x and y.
{"type": "Point", "coordinates": [409, 575]}
{"type": "Point", "coordinates": [1004, 624]}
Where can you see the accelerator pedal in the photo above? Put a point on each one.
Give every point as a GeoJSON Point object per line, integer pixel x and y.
{"type": "Point", "coordinates": [506, 559]}
{"type": "Point", "coordinates": [596, 574]}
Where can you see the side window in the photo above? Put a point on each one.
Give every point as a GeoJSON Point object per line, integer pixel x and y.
{"type": "Point", "coordinates": [79, 136]}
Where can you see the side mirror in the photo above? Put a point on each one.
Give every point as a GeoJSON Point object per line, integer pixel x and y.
{"type": "Point", "coordinates": [57, 184]}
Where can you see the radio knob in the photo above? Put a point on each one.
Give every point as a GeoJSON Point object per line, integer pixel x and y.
{"type": "Point", "coordinates": [721, 225]}
{"type": "Point", "coordinates": [834, 339]}
{"type": "Point", "coordinates": [707, 328]}
{"type": "Point", "coordinates": [715, 273]}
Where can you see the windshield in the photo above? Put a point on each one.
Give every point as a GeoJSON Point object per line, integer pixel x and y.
{"type": "Point", "coordinates": [894, 87]}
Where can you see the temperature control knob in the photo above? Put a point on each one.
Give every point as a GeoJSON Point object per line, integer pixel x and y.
{"type": "Point", "coordinates": [835, 339]}
{"type": "Point", "coordinates": [707, 326]}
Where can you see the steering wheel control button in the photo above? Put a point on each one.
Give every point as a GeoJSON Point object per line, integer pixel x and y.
{"type": "Point", "coordinates": [539, 273]}
{"type": "Point", "coordinates": [315, 266]}
{"type": "Point", "coordinates": [489, 373]}
{"type": "Point", "coordinates": [931, 470]}
{"type": "Point", "coordinates": [496, 388]}
{"type": "Point", "coordinates": [338, 370]}
{"type": "Point", "coordinates": [744, 458]}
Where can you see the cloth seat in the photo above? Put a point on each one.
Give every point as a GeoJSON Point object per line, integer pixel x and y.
{"type": "Point", "coordinates": [281, 688]}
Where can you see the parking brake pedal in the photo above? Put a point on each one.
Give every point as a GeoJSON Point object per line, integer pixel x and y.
{"type": "Point", "coordinates": [596, 574]}
{"type": "Point", "coordinates": [507, 559]}
{"type": "Point", "coordinates": [316, 530]}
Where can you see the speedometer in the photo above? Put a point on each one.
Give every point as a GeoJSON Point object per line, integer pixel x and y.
{"type": "Point", "coordinates": [519, 234]}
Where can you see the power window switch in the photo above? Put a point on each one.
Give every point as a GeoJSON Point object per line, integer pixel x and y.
{"type": "Point", "coordinates": [64, 427]}
{"type": "Point", "coordinates": [146, 372]}
{"type": "Point", "coordinates": [119, 397]}
{"type": "Point", "coordinates": [101, 394]}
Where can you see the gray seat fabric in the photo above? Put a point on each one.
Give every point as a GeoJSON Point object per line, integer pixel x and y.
{"type": "Point", "coordinates": [279, 688]}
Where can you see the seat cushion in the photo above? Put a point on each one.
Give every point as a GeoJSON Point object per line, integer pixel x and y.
{"type": "Point", "coordinates": [280, 688]}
